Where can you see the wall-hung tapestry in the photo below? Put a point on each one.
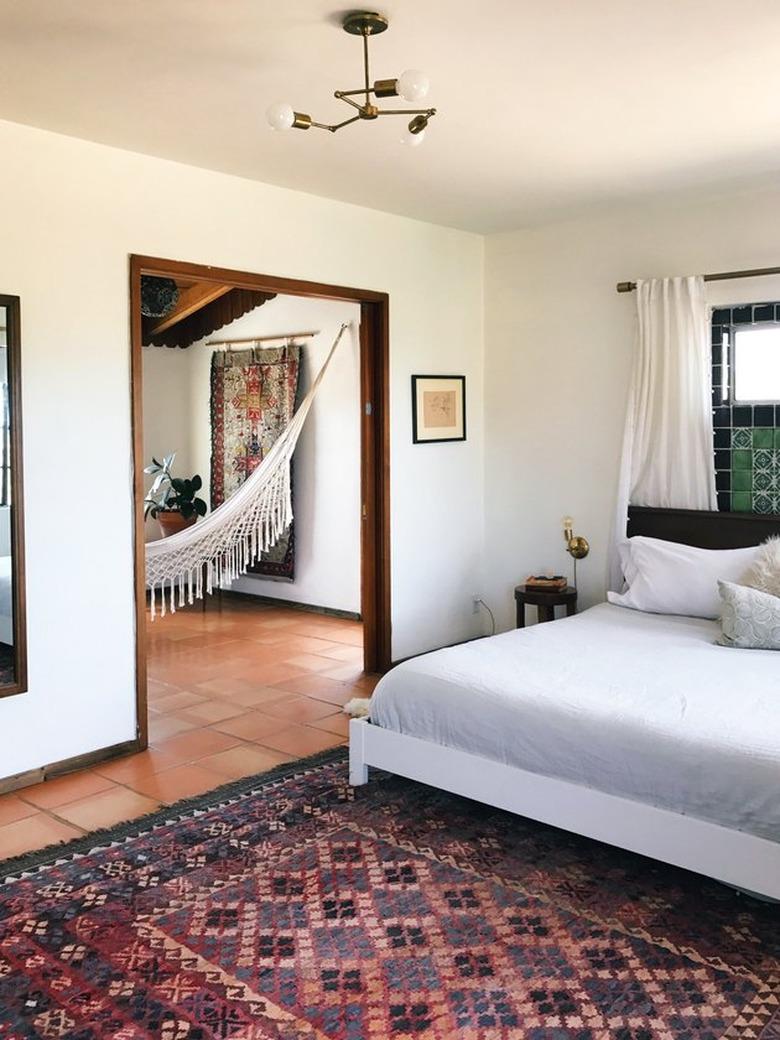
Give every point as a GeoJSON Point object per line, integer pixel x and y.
{"type": "Point", "coordinates": [253, 394]}
{"type": "Point", "coordinates": [438, 408]}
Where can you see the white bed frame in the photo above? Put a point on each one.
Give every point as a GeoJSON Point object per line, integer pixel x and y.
{"type": "Point", "coordinates": [741, 860]}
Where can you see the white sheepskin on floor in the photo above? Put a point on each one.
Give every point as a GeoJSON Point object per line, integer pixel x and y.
{"type": "Point", "coordinates": [764, 574]}
{"type": "Point", "coordinates": [358, 707]}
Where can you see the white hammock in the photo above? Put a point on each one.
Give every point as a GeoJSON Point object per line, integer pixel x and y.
{"type": "Point", "coordinates": [228, 541]}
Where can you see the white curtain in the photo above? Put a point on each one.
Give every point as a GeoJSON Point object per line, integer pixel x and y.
{"type": "Point", "coordinates": [667, 457]}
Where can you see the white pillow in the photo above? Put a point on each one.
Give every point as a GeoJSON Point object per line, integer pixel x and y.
{"type": "Point", "coordinates": [668, 578]}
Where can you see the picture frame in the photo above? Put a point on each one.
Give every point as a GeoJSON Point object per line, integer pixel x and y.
{"type": "Point", "coordinates": [438, 409]}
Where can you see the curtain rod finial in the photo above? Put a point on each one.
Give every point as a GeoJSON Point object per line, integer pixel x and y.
{"type": "Point", "coordinates": [623, 287]}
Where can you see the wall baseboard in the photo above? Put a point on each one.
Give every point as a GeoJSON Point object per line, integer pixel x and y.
{"type": "Point", "coordinates": [67, 765]}
{"type": "Point", "coordinates": [445, 646]}
{"type": "Point", "coordinates": [291, 604]}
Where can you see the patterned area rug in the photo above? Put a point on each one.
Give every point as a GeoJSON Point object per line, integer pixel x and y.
{"type": "Point", "coordinates": [285, 908]}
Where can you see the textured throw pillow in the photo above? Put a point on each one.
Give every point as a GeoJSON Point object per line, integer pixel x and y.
{"type": "Point", "coordinates": [764, 573]}
{"type": "Point", "coordinates": [750, 619]}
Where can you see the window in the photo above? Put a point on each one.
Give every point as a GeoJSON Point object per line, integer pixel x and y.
{"type": "Point", "coordinates": [746, 407]}
{"type": "Point", "coordinates": [755, 364]}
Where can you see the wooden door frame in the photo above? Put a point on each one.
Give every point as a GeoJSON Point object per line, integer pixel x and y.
{"type": "Point", "coordinates": [13, 312]}
{"type": "Point", "coordinates": [375, 448]}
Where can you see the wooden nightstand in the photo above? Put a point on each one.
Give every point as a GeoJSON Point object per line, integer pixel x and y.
{"type": "Point", "coordinates": [545, 602]}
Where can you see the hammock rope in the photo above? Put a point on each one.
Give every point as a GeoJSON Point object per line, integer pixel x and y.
{"type": "Point", "coordinates": [223, 545]}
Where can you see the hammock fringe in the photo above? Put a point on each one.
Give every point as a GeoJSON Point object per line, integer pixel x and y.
{"type": "Point", "coordinates": [226, 543]}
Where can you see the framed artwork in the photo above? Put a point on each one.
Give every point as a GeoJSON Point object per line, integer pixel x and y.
{"type": "Point", "coordinates": [438, 409]}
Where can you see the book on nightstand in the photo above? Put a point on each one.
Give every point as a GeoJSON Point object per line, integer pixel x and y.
{"type": "Point", "coordinates": [554, 583]}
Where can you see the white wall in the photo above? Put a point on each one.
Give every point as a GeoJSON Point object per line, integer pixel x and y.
{"type": "Point", "coordinates": [327, 459]}
{"type": "Point", "coordinates": [76, 210]}
{"type": "Point", "coordinates": [166, 385]}
{"type": "Point", "coordinates": [559, 342]}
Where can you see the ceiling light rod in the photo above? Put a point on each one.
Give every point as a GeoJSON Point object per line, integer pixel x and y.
{"type": "Point", "coordinates": [411, 85]}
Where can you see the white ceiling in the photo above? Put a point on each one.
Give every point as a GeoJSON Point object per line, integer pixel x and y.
{"type": "Point", "coordinates": [546, 106]}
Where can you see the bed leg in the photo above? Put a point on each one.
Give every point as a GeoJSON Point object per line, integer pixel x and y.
{"type": "Point", "coordinates": [358, 770]}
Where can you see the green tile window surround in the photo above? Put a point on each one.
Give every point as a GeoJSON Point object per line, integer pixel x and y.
{"type": "Point", "coordinates": [746, 436]}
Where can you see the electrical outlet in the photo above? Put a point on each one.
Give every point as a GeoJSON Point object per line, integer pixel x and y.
{"type": "Point", "coordinates": [476, 601]}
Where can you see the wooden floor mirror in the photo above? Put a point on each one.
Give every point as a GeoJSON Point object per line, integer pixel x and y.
{"type": "Point", "coordinates": [13, 628]}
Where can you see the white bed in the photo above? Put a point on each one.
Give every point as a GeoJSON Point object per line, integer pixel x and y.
{"type": "Point", "coordinates": [632, 728]}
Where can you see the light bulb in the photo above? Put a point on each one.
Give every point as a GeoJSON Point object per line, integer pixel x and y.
{"type": "Point", "coordinates": [280, 116]}
{"type": "Point", "coordinates": [568, 523]}
{"type": "Point", "coordinates": [413, 140]}
{"type": "Point", "coordinates": [413, 85]}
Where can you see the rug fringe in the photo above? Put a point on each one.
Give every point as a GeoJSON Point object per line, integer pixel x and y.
{"type": "Point", "coordinates": [13, 868]}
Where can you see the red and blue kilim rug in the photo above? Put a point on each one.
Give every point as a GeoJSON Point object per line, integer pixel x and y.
{"type": "Point", "coordinates": [289, 907]}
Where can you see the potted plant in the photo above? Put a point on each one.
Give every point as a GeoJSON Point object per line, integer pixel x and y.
{"type": "Point", "coordinates": [172, 501]}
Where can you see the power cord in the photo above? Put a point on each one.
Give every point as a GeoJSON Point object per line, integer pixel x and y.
{"type": "Point", "coordinates": [492, 618]}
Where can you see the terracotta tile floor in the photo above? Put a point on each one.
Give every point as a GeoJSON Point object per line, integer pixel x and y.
{"type": "Point", "coordinates": [233, 690]}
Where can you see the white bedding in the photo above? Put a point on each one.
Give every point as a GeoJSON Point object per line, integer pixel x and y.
{"type": "Point", "coordinates": [640, 705]}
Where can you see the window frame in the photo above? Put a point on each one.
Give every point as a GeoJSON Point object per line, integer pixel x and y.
{"type": "Point", "coordinates": [729, 351]}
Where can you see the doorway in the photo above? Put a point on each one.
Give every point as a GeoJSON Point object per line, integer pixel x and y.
{"type": "Point", "coordinates": [211, 283]}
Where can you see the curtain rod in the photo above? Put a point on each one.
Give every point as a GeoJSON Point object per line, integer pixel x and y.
{"type": "Point", "coordinates": [722, 276]}
{"type": "Point", "coordinates": [261, 339]}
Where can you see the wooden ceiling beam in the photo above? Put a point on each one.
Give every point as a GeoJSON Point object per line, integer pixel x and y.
{"type": "Point", "coordinates": [190, 300]}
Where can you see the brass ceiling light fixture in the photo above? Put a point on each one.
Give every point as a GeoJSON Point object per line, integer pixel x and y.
{"type": "Point", "coordinates": [411, 85]}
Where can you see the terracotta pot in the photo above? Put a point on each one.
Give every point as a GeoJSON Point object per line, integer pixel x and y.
{"type": "Point", "coordinates": [171, 522]}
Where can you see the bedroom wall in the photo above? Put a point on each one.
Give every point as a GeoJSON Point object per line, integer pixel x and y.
{"type": "Point", "coordinates": [327, 460]}
{"type": "Point", "coordinates": [75, 211]}
{"type": "Point", "coordinates": [166, 383]}
{"type": "Point", "coordinates": [558, 348]}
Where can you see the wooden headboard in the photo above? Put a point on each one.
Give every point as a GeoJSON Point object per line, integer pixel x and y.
{"type": "Point", "coordinates": [704, 529]}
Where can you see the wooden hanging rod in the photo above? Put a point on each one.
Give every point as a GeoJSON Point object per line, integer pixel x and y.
{"type": "Point", "coordinates": [722, 276]}
{"type": "Point", "coordinates": [261, 339]}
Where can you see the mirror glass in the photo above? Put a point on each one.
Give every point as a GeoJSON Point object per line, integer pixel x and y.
{"type": "Point", "coordinates": [12, 649]}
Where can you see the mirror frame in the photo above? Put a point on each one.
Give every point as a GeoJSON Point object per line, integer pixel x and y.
{"type": "Point", "coordinates": [14, 363]}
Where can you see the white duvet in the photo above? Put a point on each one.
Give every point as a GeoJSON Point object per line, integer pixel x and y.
{"type": "Point", "coordinates": [640, 705]}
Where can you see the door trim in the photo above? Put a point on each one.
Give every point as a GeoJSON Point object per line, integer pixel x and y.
{"type": "Point", "coordinates": [375, 448]}
{"type": "Point", "coordinates": [12, 306]}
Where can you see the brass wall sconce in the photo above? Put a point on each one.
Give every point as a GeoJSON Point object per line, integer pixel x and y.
{"type": "Point", "coordinates": [411, 85]}
{"type": "Point", "coordinates": [576, 546]}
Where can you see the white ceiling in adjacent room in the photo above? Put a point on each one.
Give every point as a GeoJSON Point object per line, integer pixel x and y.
{"type": "Point", "coordinates": [545, 107]}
